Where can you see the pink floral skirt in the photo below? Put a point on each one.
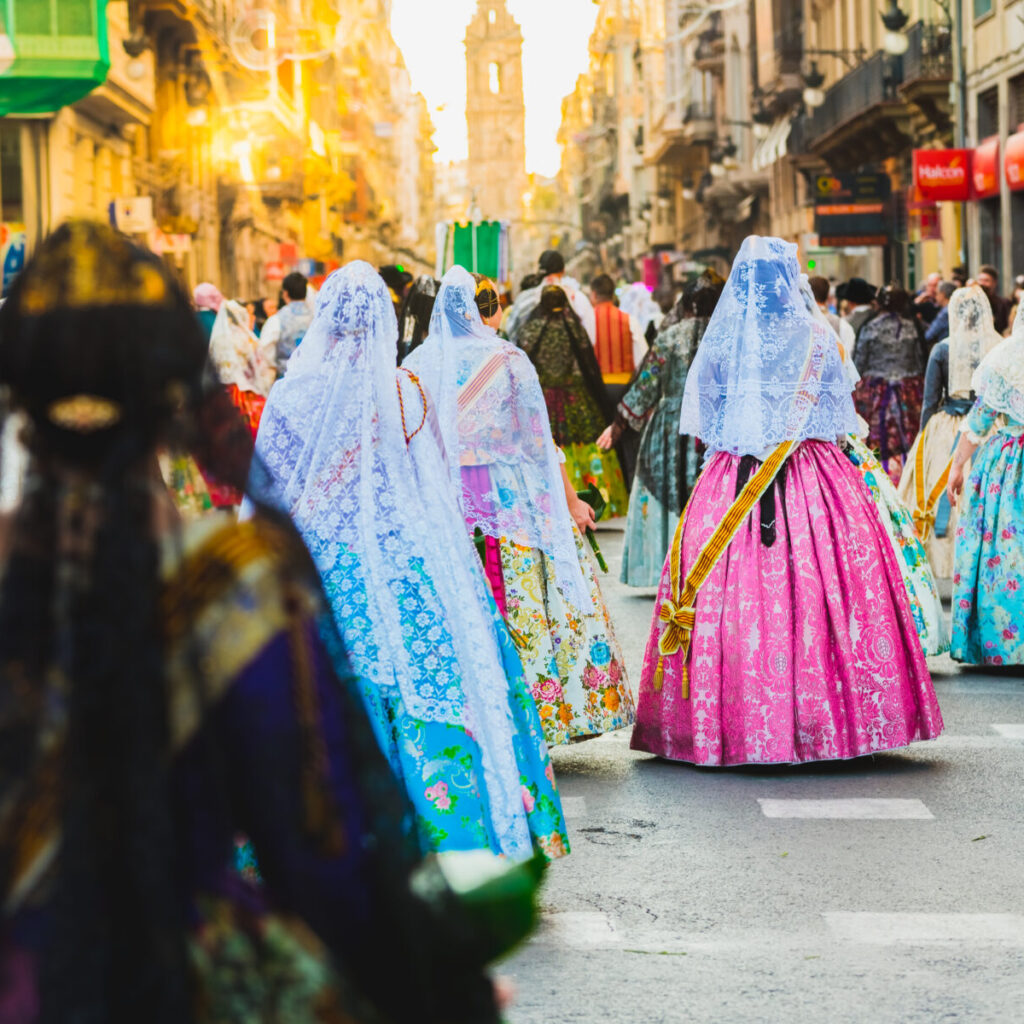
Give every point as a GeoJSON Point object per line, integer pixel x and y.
{"type": "Point", "coordinates": [804, 650]}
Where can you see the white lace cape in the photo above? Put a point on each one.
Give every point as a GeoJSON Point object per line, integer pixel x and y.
{"type": "Point", "coordinates": [500, 423]}
{"type": "Point", "coordinates": [382, 522]}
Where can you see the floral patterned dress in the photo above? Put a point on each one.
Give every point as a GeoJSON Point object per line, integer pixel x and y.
{"type": "Point", "coordinates": [441, 764]}
{"type": "Point", "coordinates": [575, 413]}
{"type": "Point", "coordinates": [925, 603]}
{"type": "Point", "coordinates": [573, 663]}
{"type": "Point", "coordinates": [667, 465]}
{"type": "Point", "coordinates": [890, 358]}
{"type": "Point", "coordinates": [188, 488]}
{"type": "Point", "coordinates": [988, 592]}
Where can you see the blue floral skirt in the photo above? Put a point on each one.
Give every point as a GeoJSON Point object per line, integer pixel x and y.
{"type": "Point", "coordinates": [988, 573]}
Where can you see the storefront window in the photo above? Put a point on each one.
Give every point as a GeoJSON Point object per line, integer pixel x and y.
{"type": "Point", "coordinates": [990, 222]}
{"type": "Point", "coordinates": [1017, 227]}
{"type": "Point", "coordinates": [11, 203]}
{"type": "Point", "coordinates": [982, 7]}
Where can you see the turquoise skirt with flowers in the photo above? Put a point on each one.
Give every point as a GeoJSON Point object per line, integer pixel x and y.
{"type": "Point", "coordinates": [442, 765]}
{"type": "Point", "coordinates": [988, 573]}
{"type": "Point", "coordinates": [442, 769]}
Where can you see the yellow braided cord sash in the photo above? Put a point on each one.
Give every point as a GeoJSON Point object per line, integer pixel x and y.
{"type": "Point", "coordinates": [924, 514]}
{"type": "Point", "coordinates": [678, 611]}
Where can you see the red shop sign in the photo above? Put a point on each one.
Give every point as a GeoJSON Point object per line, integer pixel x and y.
{"type": "Point", "coordinates": [1013, 161]}
{"type": "Point", "coordinates": [986, 169]}
{"type": "Point", "coordinates": [274, 272]}
{"type": "Point", "coordinates": [943, 173]}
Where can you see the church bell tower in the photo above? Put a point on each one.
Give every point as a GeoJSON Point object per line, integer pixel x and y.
{"type": "Point", "coordinates": [496, 111]}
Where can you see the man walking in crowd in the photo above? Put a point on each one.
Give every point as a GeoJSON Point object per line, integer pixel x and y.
{"type": "Point", "coordinates": [860, 296]}
{"type": "Point", "coordinates": [618, 346]}
{"type": "Point", "coordinates": [938, 329]}
{"type": "Point", "coordinates": [988, 278]}
{"type": "Point", "coordinates": [286, 328]}
{"type": "Point", "coordinates": [926, 303]}
{"type": "Point", "coordinates": [552, 266]}
{"type": "Point", "coordinates": [820, 287]}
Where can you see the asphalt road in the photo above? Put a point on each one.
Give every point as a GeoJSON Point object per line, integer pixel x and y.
{"type": "Point", "coordinates": [685, 901]}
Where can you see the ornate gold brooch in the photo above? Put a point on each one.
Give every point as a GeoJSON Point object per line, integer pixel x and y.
{"type": "Point", "coordinates": [84, 414]}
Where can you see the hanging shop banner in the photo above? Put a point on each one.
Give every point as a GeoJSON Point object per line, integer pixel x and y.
{"type": "Point", "coordinates": [852, 209]}
{"type": "Point", "coordinates": [943, 174]}
{"type": "Point", "coordinates": [1013, 161]}
{"type": "Point", "coordinates": [985, 173]}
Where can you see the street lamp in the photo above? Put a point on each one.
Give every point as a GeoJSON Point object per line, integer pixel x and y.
{"type": "Point", "coordinates": [895, 20]}
{"type": "Point", "coordinates": [814, 95]}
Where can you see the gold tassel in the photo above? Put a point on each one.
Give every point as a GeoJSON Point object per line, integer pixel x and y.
{"type": "Point", "coordinates": [659, 674]}
{"type": "Point", "coordinates": [684, 686]}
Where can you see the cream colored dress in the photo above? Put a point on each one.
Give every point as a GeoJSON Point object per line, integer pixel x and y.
{"type": "Point", "coordinates": [972, 335]}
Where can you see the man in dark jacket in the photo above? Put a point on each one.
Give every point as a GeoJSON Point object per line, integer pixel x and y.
{"type": "Point", "coordinates": [988, 278]}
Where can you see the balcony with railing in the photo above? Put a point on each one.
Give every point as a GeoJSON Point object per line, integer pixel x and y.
{"type": "Point", "coordinates": [864, 117]}
{"type": "Point", "coordinates": [874, 111]}
{"type": "Point", "coordinates": [700, 127]}
{"type": "Point", "coordinates": [682, 136]}
{"type": "Point", "coordinates": [709, 54]}
{"type": "Point", "coordinates": [928, 70]}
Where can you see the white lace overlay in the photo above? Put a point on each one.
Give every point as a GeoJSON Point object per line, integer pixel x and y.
{"type": "Point", "coordinates": [383, 525]}
{"type": "Point", "coordinates": [972, 335]}
{"type": "Point", "coordinates": [748, 389]}
{"type": "Point", "coordinates": [999, 380]}
{"type": "Point", "coordinates": [493, 415]}
{"type": "Point", "coordinates": [235, 351]}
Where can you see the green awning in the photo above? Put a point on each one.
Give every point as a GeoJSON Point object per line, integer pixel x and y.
{"type": "Point", "coordinates": [52, 53]}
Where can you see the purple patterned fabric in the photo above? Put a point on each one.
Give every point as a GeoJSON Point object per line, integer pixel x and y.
{"type": "Point", "coordinates": [476, 481]}
{"type": "Point", "coordinates": [802, 651]}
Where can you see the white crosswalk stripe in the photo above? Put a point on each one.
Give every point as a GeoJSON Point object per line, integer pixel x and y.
{"type": "Point", "coordinates": [853, 808]}
{"type": "Point", "coordinates": [1011, 731]}
{"type": "Point", "coordinates": [927, 929]}
{"type": "Point", "coordinates": [574, 928]}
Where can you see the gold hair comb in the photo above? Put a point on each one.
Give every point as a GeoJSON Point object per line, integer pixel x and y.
{"type": "Point", "coordinates": [84, 414]}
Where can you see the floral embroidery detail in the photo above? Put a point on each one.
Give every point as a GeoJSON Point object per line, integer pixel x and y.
{"type": "Point", "coordinates": [439, 795]}
{"type": "Point", "coordinates": [572, 662]}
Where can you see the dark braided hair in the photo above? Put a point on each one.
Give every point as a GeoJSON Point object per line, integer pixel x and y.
{"type": "Point", "coordinates": [486, 297]}
{"type": "Point", "coordinates": [100, 348]}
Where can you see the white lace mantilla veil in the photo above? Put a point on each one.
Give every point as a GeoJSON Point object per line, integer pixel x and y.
{"type": "Point", "coordinates": [506, 428]}
{"type": "Point", "coordinates": [972, 335]}
{"type": "Point", "coordinates": [404, 580]}
{"type": "Point", "coordinates": [999, 380]}
{"type": "Point", "coordinates": [766, 370]}
{"type": "Point", "coordinates": [639, 305]}
{"type": "Point", "coordinates": [235, 351]}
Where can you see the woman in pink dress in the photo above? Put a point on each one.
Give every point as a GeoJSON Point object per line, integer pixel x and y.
{"type": "Point", "coordinates": [782, 631]}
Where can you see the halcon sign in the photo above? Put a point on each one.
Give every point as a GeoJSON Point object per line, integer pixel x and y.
{"type": "Point", "coordinates": [942, 174]}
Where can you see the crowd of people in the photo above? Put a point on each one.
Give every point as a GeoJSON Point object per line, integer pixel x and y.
{"type": "Point", "coordinates": [293, 612]}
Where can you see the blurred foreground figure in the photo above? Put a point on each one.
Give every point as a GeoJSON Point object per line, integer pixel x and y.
{"type": "Point", "coordinates": [161, 692]}
{"type": "Point", "coordinates": [783, 631]}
